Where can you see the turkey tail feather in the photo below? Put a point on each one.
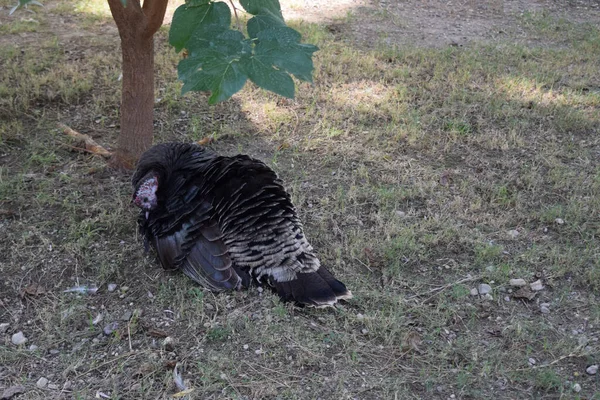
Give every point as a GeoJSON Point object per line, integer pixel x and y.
{"type": "Point", "coordinates": [318, 289]}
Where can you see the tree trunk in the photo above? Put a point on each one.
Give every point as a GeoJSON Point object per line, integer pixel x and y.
{"type": "Point", "coordinates": [136, 26]}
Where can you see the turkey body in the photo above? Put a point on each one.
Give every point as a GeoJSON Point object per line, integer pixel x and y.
{"type": "Point", "coordinates": [226, 221]}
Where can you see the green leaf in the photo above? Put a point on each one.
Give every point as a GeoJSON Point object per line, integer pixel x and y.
{"type": "Point", "coordinates": [24, 3]}
{"type": "Point", "coordinates": [280, 47]}
{"type": "Point", "coordinates": [221, 60]}
{"type": "Point", "coordinates": [262, 22]}
{"type": "Point", "coordinates": [265, 7]}
{"type": "Point", "coordinates": [212, 71]}
{"type": "Point", "coordinates": [267, 77]}
{"type": "Point", "coordinates": [188, 18]}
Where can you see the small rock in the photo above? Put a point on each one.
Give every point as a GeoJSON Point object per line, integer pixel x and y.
{"type": "Point", "coordinates": [474, 292]}
{"type": "Point", "coordinates": [112, 287]}
{"type": "Point", "coordinates": [54, 352]}
{"type": "Point", "coordinates": [33, 347]}
{"type": "Point", "coordinates": [124, 289]}
{"type": "Point", "coordinates": [12, 391]}
{"type": "Point", "coordinates": [18, 338]}
{"type": "Point", "coordinates": [484, 288]}
{"type": "Point", "coordinates": [506, 298]}
{"type": "Point", "coordinates": [364, 331]}
{"type": "Point", "coordinates": [401, 214]}
{"type": "Point", "coordinates": [126, 316]}
{"type": "Point", "coordinates": [360, 317]}
{"type": "Point", "coordinates": [258, 352]}
{"type": "Point", "coordinates": [53, 386]}
{"type": "Point", "coordinates": [4, 327]}
{"type": "Point", "coordinates": [209, 306]}
{"type": "Point", "coordinates": [577, 388]}
{"type": "Point", "coordinates": [592, 369]}
{"type": "Point", "coordinates": [246, 347]}
{"type": "Point", "coordinates": [489, 297]}
{"type": "Point", "coordinates": [41, 383]}
{"type": "Point", "coordinates": [544, 308]}
{"type": "Point", "coordinates": [68, 385]}
{"type": "Point", "coordinates": [136, 387]}
{"type": "Point", "coordinates": [98, 319]}
{"type": "Point", "coordinates": [531, 361]}
{"type": "Point", "coordinates": [110, 328]}
{"type": "Point", "coordinates": [559, 221]}
{"type": "Point", "coordinates": [536, 286]}
{"type": "Point", "coordinates": [169, 343]}
{"type": "Point", "coordinates": [513, 233]}
{"type": "Point", "coordinates": [517, 282]}
{"type": "Point", "coordinates": [223, 376]}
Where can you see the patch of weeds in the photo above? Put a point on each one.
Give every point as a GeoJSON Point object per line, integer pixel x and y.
{"type": "Point", "coordinates": [487, 253]}
{"type": "Point", "coordinates": [504, 196]}
{"type": "Point", "coordinates": [218, 334]}
{"type": "Point", "coordinates": [21, 25]}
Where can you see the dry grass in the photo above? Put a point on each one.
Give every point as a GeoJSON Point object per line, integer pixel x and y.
{"type": "Point", "coordinates": [409, 167]}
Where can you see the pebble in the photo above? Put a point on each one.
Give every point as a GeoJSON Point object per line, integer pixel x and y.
{"type": "Point", "coordinates": [536, 286]}
{"type": "Point", "coordinates": [507, 299]}
{"type": "Point", "coordinates": [245, 347]}
{"type": "Point", "coordinates": [532, 361]}
{"type": "Point", "coordinates": [484, 288]}
{"type": "Point", "coordinates": [474, 292]}
{"type": "Point", "coordinates": [401, 214]}
{"type": "Point", "coordinates": [68, 385]}
{"type": "Point", "coordinates": [110, 328]}
{"type": "Point", "coordinates": [18, 338]}
{"type": "Point", "coordinates": [54, 352]}
{"type": "Point", "coordinates": [258, 352]}
{"type": "Point", "coordinates": [98, 319]}
{"type": "Point", "coordinates": [489, 297]}
{"type": "Point", "coordinates": [33, 347]}
{"type": "Point", "coordinates": [545, 308]}
{"type": "Point", "coordinates": [517, 282]}
{"type": "Point", "coordinates": [126, 316]}
{"type": "Point", "coordinates": [365, 331]}
{"type": "Point", "coordinates": [124, 289]}
{"type": "Point", "coordinates": [513, 233]}
{"type": "Point", "coordinates": [577, 388]}
{"type": "Point", "coordinates": [112, 287]}
{"type": "Point", "coordinates": [41, 383]}
{"type": "Point", "coordinates": [136, 387]}
{"type": "Point", "coordinates": [4, 327]}
{"type": "Point", "coordinates": [360, 317]}
{"type": "Point", "coordinates": [169, 343]}
{"type": "Point", "coordinates": [53, 386]}
{"type": "Point", "coordinates": [592, 369]}
{"type": "Point", "coordinates": [559, 221]}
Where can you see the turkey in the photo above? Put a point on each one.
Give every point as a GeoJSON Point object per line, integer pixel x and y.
{"type": "Point", "coordinates": [226, 221]}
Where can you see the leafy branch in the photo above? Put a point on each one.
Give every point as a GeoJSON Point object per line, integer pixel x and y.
{"type": "Point", "coordinates": [220, 59]}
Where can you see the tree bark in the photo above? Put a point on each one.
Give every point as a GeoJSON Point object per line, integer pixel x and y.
{"type": "Point", "coordinates": [137, 26]}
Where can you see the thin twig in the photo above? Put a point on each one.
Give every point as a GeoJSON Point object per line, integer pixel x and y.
{"type": "Point", "coordinates": [129, 336]}
{"type": "Point", "coordinates": [90, 144]}
{"type": "Point", "coordinates": [559, 359]}
{"type": "Point", "coordinates": [440, 289]}
{"type": "Point", "coordinates": [237, 20]}
{"type": "Point", "coordinates": [106, 363]}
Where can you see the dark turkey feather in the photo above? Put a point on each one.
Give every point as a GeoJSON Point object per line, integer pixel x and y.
{"type": "Point", "coordinates": [227, 220]}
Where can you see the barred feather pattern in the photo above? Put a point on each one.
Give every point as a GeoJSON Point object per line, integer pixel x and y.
{"type": "Point", "coordinates": [226, 220]}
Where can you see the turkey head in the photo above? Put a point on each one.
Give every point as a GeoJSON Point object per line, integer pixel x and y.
{"type": "Point", "coordinates": [227, 221]}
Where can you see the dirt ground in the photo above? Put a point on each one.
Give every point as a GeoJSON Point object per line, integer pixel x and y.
{"type": "Point", "coordinates": [410, 206]}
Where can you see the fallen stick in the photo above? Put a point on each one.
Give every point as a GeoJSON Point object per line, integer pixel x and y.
{"type": "Point", "coordinates": [90, 144]}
